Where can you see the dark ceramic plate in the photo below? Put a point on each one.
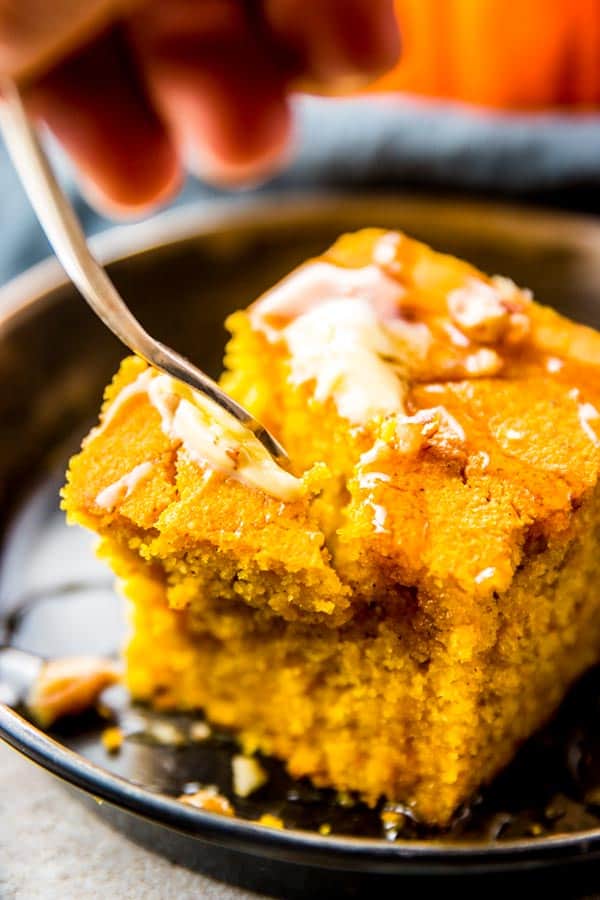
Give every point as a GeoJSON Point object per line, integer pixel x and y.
{"type": "Point", "coordinates": [182, 274]}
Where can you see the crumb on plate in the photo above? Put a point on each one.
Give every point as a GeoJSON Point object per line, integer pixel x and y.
{"type": "Point", "coordinates": [248, 775]}
{"type": "Point", "coordinates": [65, 687]}
{"type": "Point", "coordinates": [112, 739]}
{"type": "Point", "coordinates": [210, 800]}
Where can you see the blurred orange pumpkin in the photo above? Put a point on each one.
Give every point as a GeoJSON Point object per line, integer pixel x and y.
{"type": "Point", "coordinates": [517, 53]}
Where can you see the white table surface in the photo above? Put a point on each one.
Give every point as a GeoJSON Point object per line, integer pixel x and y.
{"type": "Point", "coordinates": [53, 848]}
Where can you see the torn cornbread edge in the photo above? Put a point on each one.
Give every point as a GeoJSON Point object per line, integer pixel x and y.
{"type": "Point", "coordinates": [200, 455]}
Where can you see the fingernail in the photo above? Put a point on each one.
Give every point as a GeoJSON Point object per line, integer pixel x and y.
{"type": "Point", "coordinates": [110, 208]}
{"type": "Point", "coordinates": [204, 164]}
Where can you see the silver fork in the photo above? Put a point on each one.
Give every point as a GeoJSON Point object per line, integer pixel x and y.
{"type": "Point", "coordinates": [57, 217]}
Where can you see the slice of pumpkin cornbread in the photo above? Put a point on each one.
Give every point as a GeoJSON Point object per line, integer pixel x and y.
{"type": "Point", "coordinates": [398, 614]}
{"type": "Point", "coordinates": [170, 478]}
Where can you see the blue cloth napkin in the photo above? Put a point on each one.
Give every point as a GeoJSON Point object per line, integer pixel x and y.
{"type": "Point", "coordinates": [381, 142]}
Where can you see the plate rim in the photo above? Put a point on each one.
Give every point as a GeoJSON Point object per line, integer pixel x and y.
{"type": "Point", "coordinates": [289, 845]}
{"type": "Point", "coordinates": [199, 218]}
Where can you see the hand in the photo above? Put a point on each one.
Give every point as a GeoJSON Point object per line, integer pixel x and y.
{"type": "Point", "coordinates": [132, 88]}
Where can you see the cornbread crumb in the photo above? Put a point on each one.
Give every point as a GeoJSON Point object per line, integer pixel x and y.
{"type": "Point", "coordinates": [271, 821]}
{"type": "Point", "coordinates": [112, 739]}
{"type": "Point", "coordinates": [210, 800]}
{"type": "Point", "coordinates": [164, 732]}
{"type": "Point", "coordinates": [200, 731]}
{"type": "Point", "coordinates": [65, 687]}
{"type": "Point", "coordinates": [248, 775]}
{"type": "Point", "coordinates": [393, 816]}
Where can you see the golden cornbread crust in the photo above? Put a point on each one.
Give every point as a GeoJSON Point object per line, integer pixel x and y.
{"type": "Point", "coordinates": [423, 604]}
{"type": "Point", "coordinates": [252, 546]}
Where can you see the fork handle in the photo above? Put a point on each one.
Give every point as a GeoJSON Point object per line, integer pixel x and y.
{"type": "Point", "coordinates": [63, 229]}
{"type": "Point", "coordinates": [59, 221]}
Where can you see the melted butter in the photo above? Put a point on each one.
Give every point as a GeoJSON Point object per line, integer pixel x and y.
{"type": "Point", "coordinates": [379, 517]}
{"type": "Point", "coordinates": [478, 311]}
{"type": "Point", "coordinates": [481, 459]}
{"type": "Point", "coordinates": [333, 321]}
{"type": "Point", "coordinates": [554, 364]}
{"type": "Point", "coordinates": [208, 435]}
{"type": "Point", "coordinates": [380, 450]}
{"type": "Point", "coordinates": [385, 252]}
{"type": "Point", "coordinates": [588, 414]}
{"type": "Point", "coordinates": [360, 333]}
{"type": "Point", "coordinates": [119, 490]}
{"type": "Point", "coordinates": [456, 335]}
{"type": "Point", "coordinates": [370, 480]}
{"type": "Point", "coordinates": [342, 346]}
{"type": "Point", "coordinates": [485, 575]}
{"type": "Point", "coordinates": [312, 284]}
